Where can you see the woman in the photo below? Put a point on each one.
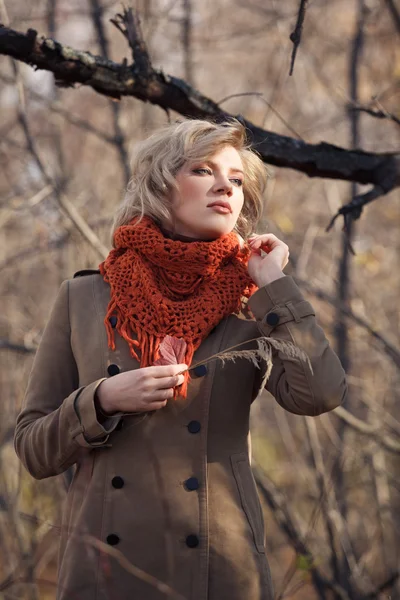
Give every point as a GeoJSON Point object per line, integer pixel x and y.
{"type": "Point", "coordinates": [163, 503]}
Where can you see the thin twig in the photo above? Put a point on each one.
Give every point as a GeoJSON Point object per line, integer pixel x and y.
{"type": "Point", "coordinates": [367, 429]}
{"type": "Point", "coordinates": [72, 66]}
{"type": "Point", "coordinates": [295, 36]}
{"type": "Point", "coordinates": [119, 136]}
{"type": "Point", "coordinates": [21, 348]}
{"type": "Point", "coordinates": [377, 113]}
{"type": "Point", "coordinates": [285, 520]}
{"type": "Point", "coordinates": [391, 351]}
{"type": "Point", "coordinates": [128, 23]}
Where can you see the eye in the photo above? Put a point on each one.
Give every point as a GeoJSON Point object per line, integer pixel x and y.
{"type": "Point", "coordinates": [203, 170]}
{"type": "Point", "coordinates": [237, 182]}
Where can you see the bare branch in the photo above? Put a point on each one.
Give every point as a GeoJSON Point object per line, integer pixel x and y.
{"type": "Point", "coordinates": [295, 36]}
{"type": "Point", "coordinates": [367, 429]}
{"type": "Point", "coordinates": [280, 510]}
{"type": "Point", "coordinates": [119, 137]}
{"type": "Point", "coordinates": [82, 226]}
{"type": "Point", "coordinates": [129, 25]}
{"type": "Point", "coordinates": [112, 79]}
{"type": "Point", "coordinates": [377, 113]}
{"type": "Point", "coordinates": [21, 348]}
{"type": "Point", "coordinates": [395, 14]}
{"type": "Point", "coordinates": [391, 351]}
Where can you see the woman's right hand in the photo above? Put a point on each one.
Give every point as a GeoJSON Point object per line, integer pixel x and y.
{"type": "Point", "coordinates": [139, 390]}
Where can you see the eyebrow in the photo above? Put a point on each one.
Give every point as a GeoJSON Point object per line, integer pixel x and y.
{"type": "Point", "coordinates": [233, 169]}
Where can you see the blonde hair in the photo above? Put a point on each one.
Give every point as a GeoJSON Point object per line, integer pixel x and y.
{"type": "Point", "coordinates": [157, 160]}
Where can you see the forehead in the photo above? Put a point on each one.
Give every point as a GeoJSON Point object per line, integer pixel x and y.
{"type": "Point", "coordinates": [228, 156]}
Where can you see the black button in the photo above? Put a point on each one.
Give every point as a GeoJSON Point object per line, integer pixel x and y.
{"type": "Point", "coordinates": [192, 484]}
{"type": "Point", "coordinates": [272, 319]}
{"type": "Point", "coordinates": [113, 370]}
{"type": "Point", "coordinates": [192, 541]}
{"type": "Point", "coordinates": [117, 482]}
{"type": "Point", "coordinates": [194, 427]}
{"type": "Point", "coordinates": [200, 371]}
{"type": "Point", "coordinates": [113, 321]}
{"type": "Point", "coordinates": [120, 424]}
{"type": "Point", "coordinates": [113, 539]}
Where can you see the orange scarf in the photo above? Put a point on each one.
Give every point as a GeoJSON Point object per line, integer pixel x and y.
{"type": "Point", "coordinates": [161, 286]}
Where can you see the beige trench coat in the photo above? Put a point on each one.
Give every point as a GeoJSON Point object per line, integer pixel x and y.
{"type": "Point", "coordinates": [170, 492]}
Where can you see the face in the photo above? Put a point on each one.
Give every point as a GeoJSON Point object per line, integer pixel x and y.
{"type": "Point", "coordinates": [209, 197]}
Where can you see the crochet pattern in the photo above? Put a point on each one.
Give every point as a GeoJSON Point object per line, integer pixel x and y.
{"type": "Point", "coordinates": [165, 287]}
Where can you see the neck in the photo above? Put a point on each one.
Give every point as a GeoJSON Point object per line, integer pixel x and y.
{"type": "Point", "coordinates": [178, 237]}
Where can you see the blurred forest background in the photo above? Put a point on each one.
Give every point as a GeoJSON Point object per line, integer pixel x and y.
{"type": "Point", "coordinates": [329, 486]}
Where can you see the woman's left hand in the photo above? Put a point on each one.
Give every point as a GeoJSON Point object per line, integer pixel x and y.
{"type": "Point", "coordinates": [267, 268]}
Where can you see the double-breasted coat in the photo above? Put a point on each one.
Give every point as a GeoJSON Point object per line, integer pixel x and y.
{"type": "Point", "coordinates": [170, 493]}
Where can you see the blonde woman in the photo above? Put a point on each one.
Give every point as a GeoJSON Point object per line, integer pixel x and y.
{"type": "Point", "coordinates": [163, 503]}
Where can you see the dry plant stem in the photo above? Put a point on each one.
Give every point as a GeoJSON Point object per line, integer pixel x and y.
{"type": "Point", "coordinates": [285, 347]}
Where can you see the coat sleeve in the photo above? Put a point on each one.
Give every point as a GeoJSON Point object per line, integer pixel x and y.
{"type": "Point", "coordinates": [58, 418]}
{"type": "Point", "coordinates": [282, 312]}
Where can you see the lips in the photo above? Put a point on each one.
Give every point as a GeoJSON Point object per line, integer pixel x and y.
{"type": "Point", "coordinates": [221, 203]}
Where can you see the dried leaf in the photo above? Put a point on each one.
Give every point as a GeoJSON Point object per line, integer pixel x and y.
{"type": "Point", "coordinates": [172, 351]}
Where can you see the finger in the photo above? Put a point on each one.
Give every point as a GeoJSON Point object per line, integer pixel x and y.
{"type": "Point", "coordinates": [166, 370]}
{"type": "Point", "coordinates": [157, 405]}
{"type": "Point", "coordinates": [163, 383]}
{"type": "Point", "coordinates": [266, 238]}
{"type": "Point", "coordinates": [160, 395]}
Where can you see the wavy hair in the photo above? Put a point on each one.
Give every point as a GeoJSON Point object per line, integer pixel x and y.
{"type": "Point", "coordinates": [157, 159]}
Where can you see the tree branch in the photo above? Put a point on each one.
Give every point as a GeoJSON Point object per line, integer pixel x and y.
{"type": "Point", "coordinates": [295, 36]}
{"type": "Point", "coordinates": [21, 348]}
{"type": "Point", "coordinates": [367, 429]}
{"type": "Point", "coordinates": [391, 351]}
{"type": "Point", "coordinates": [278, 505]}
{"type": "Point", "coordinates": [116, 80]}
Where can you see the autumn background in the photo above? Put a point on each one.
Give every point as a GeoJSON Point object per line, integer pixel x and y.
{"type": "Point", "coordinates": [329, 485]}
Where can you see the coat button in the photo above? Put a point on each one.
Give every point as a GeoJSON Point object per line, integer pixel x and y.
{"type": "Point", "coordinates": [192, 484]}
{"type": "Point", "coordinates": [200, 371]}
{"type": "Point", "coordinates": [117, 482]}
{"type": "Point", "coordinates": [194, 427]}
{"type": "Point", "coordinates": [192, 541]}
{"type": "Point", "coordinates": [272, 319]}
{"type": "Point", "coordinates": [112, 539]}
{"type": "Point", "coordinates": [113, 321]}
{"type": "Point", "coordinates": [113, 370]}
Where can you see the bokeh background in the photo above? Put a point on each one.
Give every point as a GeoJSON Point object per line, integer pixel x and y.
{"type": "Point", "coordinates": [329, 485]}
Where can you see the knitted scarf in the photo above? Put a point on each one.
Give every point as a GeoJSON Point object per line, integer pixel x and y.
{"type": "Point", "coordinates": [161, 286]}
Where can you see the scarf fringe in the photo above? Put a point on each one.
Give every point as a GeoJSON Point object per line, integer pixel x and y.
{"type": "Point", "coordinates": [142, 256]}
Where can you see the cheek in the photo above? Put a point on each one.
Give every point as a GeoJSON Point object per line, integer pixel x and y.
{"type": "Point", "coordinates": [240, 206]}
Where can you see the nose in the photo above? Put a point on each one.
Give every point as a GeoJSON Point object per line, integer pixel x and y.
{"type": "Point", "coordinates": [223, 185]}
